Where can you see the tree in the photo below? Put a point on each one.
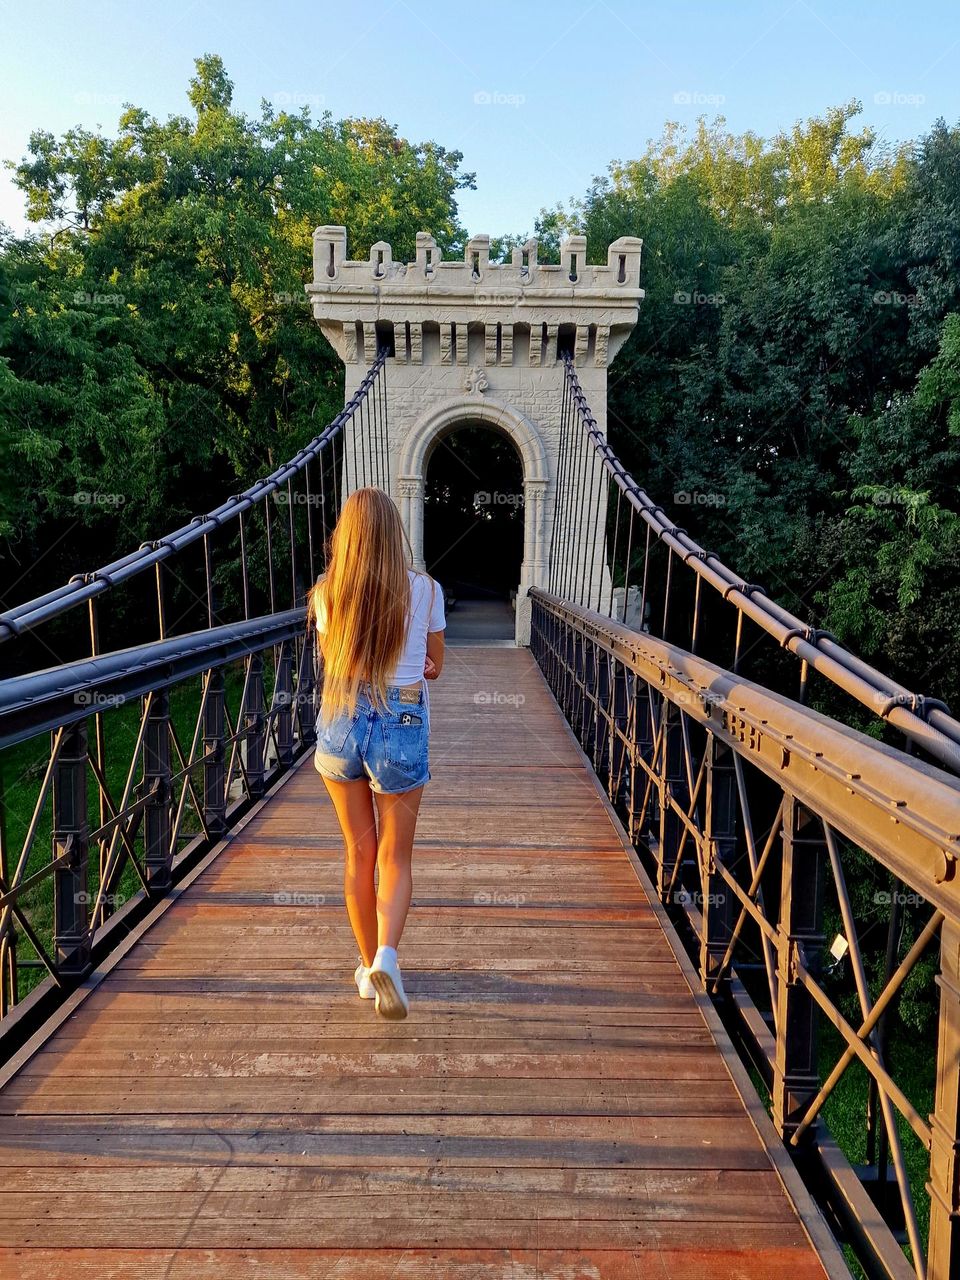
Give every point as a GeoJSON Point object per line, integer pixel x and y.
{"type": "Point", "coordinates": [161, 344]}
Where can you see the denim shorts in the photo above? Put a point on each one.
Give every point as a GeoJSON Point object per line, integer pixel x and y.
{"type": "Point", "coordinates": [389, 748]}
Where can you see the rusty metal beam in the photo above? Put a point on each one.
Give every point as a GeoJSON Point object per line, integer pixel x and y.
{"type": "Point", "coordinates": [902, 811]}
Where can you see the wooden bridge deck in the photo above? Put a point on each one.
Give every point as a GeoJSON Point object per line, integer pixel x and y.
{"type": "Point", "coordinates": [558, 1103]}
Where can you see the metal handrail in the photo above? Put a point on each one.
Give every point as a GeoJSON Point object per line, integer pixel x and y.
{"type": "Point", "coordinates": [226, 764]}
{"type": "Point", "coordinates": [62, 695]}
{"type": "Point", "coordinates": [926, 721]}
{"type": "Point", "coordinates": [904, 812]}
{"type": "Point", "coordinates": [85, 586]}
{"type": "Point", "coordinates": [693, 756]}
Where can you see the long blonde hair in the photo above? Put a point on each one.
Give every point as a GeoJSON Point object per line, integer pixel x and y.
{"type": "Point", "coordinates": [365, 594]}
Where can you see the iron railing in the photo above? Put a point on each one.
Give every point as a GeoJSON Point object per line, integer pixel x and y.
{"type": "Point", "coordinates": [184, 766]}
{"type": "Point", "coordinates": [755, 816]}
{"type": "Point", "coordinates": [307, 491]}
{"type": "Point", "coordinates": [167, 743]}
{"type": "Point", "coordinates": [595, 566]}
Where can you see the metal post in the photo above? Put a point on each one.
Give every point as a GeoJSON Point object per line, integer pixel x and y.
{"type": "Point", "coordinates": [619, 714]}
{"type": "Point", "coordinates": [71, 829]}
{"type": "Point", "coordinates": [254, 728]}
{"type": "Point", "coordinates": [158, 811]}
{"type": "Point", "coordinates": [9, 981]}
{"type": "Point", "coordinates": [719, 849]}
{"type": "Point", "coordinates": [601, 728]}
{"type": "Point", "coordinates": [800, 941]}
{"type": "Point", "coordinates": [283, 698]}
{"type": "Point", "coordinates": [670, 784]}
{"type": "Point", "coordinates": [943, 1259]}
{"type": "Point", "coordinates": [214, 768]}
{"type": "Point", "coordinates": [306, 690]}
{"type": "Point", "coordinates": [641, 749]}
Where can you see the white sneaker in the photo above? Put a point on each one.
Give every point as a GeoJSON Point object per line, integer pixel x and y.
{"type": "Point", "coordinates": [384, 973]}
{"type": "Point", "coordinates": [361, 976]}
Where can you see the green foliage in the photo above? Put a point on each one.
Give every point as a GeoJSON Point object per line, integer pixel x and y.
{"type": "Point", "coordinates": [158, 351]}
{"type": "Point", "coordinates": [797, 359]}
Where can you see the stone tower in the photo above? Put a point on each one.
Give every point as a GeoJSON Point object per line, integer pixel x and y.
{"type": "Point", "coordinates": [476, 343]}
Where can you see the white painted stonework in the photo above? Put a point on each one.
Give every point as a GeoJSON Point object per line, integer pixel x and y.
{"type": "Point", "coordinates": [477, 343]}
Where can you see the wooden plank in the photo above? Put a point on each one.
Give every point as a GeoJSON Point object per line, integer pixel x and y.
{"type": "Point", "coordinates": [373, 1095]}
{"type": "Point", "coordinates": [555, 1083]}
{"type": "Point", "coordinates": [170, 1229]}
{"type": "Point", "coordinates": [761, 1262]}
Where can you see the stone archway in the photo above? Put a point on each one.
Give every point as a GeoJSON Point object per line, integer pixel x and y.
{"type": "Point", "coordinates": [410, 481]}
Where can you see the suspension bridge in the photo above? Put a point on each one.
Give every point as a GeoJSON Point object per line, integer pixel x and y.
{"type": "Point", "coordinates": [635, 952]}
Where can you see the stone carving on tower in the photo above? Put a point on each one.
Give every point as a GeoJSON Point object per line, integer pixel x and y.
{"type": "Point", "coordinates": [476, 381]}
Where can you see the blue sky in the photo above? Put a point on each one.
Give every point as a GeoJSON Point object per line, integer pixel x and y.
{"type": "Point", "coordinates": [538, 96]}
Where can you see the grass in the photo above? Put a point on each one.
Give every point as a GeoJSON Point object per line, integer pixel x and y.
{"type": "Point", "coordinates": [912, 1061]}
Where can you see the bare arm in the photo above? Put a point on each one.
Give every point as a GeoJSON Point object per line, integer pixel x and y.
{"type": "Point", "coordinates": [434, 664]}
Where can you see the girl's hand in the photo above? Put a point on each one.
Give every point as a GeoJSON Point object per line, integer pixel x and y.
{"type": "Point", "coordinates": [430, 668]}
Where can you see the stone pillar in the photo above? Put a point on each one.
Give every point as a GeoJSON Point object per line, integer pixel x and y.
{"type": "Point", "coordinates": [411, 490]}
{"type": "Point", "coordinates": [533, 572]}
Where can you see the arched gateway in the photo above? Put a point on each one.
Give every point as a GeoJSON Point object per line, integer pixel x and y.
{"type": "Point", "coordinates": [475, 343]}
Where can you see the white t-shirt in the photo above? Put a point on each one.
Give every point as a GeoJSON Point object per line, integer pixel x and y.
{"type": "Point", "coordinates": [426, 614]}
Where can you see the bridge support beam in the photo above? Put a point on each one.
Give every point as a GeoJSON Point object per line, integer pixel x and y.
{"type": "Point", "coordinates": [157, 812]}
{"type": "Point", "coordinates": [71, 830]}
{"type": "Point", "coordinates": [800, 939]}
{"type": "Point", "coordinates": [944, 1185]}
{"type": "Point", "coordinates": [254, 729]}
{"type": "Point", "coordinates": [283, 698]}
{"type": "Point", "coordinates": [719, 846]}
{"type": "Point", "coordinates": [671, 790]}
{"type": "Point", "coordinates": [214, 770]}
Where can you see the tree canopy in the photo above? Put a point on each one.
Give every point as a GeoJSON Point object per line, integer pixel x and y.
{"type": "Point", "coordinates": [797, 354]}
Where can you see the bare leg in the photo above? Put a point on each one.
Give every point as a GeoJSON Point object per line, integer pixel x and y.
{"type": "Point", "coordinates": [398, 822]}
{"type": "Point", "coordinates": [354, 806]}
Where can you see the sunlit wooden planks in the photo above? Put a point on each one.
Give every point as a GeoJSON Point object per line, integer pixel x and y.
{"type": "Point", "coordinates": [555, 1105]}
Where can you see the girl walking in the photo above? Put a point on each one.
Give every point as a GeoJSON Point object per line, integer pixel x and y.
{"type": "Point", "coordinates": [379, 626]}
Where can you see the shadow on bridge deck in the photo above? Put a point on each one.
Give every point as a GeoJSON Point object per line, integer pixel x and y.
{"type": "Point", "coordinates": [558, 1103]}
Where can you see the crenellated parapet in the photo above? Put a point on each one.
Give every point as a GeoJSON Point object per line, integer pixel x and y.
{"type": "Point", "coordinates": [471, 311]}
